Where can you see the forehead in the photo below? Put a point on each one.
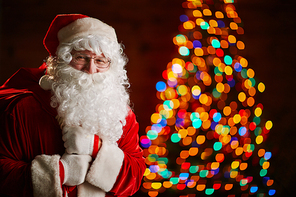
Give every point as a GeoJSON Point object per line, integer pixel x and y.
{"type": "Point", "coordinates": [87, 52]}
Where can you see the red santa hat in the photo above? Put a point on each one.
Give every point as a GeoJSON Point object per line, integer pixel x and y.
{"type": "Point", "coordinates": [66, 27]}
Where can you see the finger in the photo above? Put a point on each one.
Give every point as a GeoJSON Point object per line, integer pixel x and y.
{"type": "Point", "coordinates": [71, 151]}
{"type": "Point", "coordinates": [87, 158]}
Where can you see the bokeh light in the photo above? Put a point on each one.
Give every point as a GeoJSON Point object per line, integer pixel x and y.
{"type": "Point", "coordinates": [207, 135]}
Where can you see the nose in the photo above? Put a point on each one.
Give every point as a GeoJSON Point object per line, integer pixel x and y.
{"type": "Point", "coordinates": [91, 68]}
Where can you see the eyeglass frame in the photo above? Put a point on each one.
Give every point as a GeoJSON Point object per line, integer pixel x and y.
{"type": "Point", "coordinates": [103, 66]}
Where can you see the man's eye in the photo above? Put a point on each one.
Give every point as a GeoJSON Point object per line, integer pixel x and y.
{"type": "Point", "coordinates": [100, 61]}
{"type": "Point", "coordinates": [80, 58]}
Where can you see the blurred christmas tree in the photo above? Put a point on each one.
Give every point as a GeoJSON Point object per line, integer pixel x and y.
{"type": "Point", "coordinates": [207, 135]}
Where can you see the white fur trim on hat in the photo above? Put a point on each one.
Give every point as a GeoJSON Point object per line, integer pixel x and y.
{"type": "Point", "coordinates": [86, 26]}
{"type": "Point", "coordinates": [46, 176]}
{"type": "Point", "coordinates": [106, 167]}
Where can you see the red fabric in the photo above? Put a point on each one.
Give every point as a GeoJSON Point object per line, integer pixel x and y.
{"type": "Point", "coordinates": [66, 189]}
{"type": "Point", "coordinates": [28, 128]}
{"type": "Point", "coordinates": [62, 172]}
{"type": "Point", "coordinates": [51, 41]}
{"type": "Point", "coordinates": [96, 146]}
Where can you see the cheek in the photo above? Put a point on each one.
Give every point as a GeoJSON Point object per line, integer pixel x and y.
{"type": "Point", "coordinates": [77, 67]}
{"type": "Point", "coordinates": [101, 70]}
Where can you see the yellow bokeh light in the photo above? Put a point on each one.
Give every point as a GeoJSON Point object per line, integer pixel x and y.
{"type": "Point", "coordinates": [147, 172]}
{"type": "Point", "coordinates": [240, 45]}
{"type": "Point", "coordinates": [248, 83]}
{"type": "Point", "coordinates": [203, 99]}
{"type": "Point", "coordinates": [234, 144]}
{"type": "Point", "coordinates": [151, 176]}
{"type": "Point", "coordinates": [266, 165]}
{"type": "Point", "coordinates": [242, 97]}
{"type": "Point", "coordinates": [258, 111]}
{"type": "Point", "coordinates": [219, 14]}
{"type": "Point", "coordinates": [237, 118]}
{"type": "Point", "coordinates": [213, 23]}
{"type": "Point", "coordinates": [156, 185]}
{"type": "Point", "coordinates": [228, 70]}
{"type": "Point", "coordinates": [233, 174]}
{"type": "Point", "coordinates": [268, 125]}
{"type": "Point", "coordinates": [219, 128]}
{"type": "Point", "coordinates": [189, 25]}
{"type": "Point", "coordinates": [198, 52]}
{"type": "Point", "coordinates": [239, 151]}
{"type": "Point", "coordinates": [216, 61]}
{"type": "Point", "coordinates": [259, 139]}
{"type": "Point", "coordinates": [250, 73]}
{"type": "Point", "coordinates": [215, 165]}
{"type": "Point", "coordinates": [243, 62]}
{"type": "Point", "coordinates": [227, 111]}
{"type": "Point", "coordinates": [243, 166]}
{"type": "Point", "coordinates": [176, 103]}
{"type": "Point", "coordinates": [261, 87]}
{"type": "Point", "coordinates": [196, 90]}
{"type": "Point", "coordinates": [200, 139]}
{"type": "Point", "coordinates": [182, 90]}
{"type": "Point", "coordinates": [167, 184]}
{"type": "Point", "coordinates": [233, 26]}
{"type": "Point", "coordinates": [206, 124]}
{"type": "Point", "coordinates": [156, 118]}
{"type": "Point", "coordinates": [235, 164]}
{"type": "Point", "coordinates": [183, 133]}
{"type": "Point", "coordinates": [220, 87]}
{"type": "Point", "coordinates": [197, 13]}
{"type": "Point", "coordinates": [207, 12]}
{"type": "Point", "coordinates": [231, 39]}
{"type": "Point", "coordinates": [200, 187]}
{"type": "Point", "coordinates": [193, 151]}
{"type": "Point", "coordinates": [199, 21]}
{"type": "Point", "coordinates": [204, 116]}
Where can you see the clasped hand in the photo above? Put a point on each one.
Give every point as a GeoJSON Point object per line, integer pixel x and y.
{"type": "Point", "coordinates": [76, 141]}
{"type": "Point", "coordinates": [79, 148]}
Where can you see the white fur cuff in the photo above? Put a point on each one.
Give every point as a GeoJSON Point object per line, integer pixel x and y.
{"type": "Point", "coordinates": [45, 176]}
{"type": "Point", "coordinates": [105, 168]}
{"type": "Point", "coordinates": [88, 190]}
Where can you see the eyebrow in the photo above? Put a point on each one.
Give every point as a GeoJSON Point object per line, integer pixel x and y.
{"type": "Point", "coordinates": [89, 55]}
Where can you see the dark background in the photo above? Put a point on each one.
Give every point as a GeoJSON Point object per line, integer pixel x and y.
{"type": "Point", "coordinates": [146, 28]}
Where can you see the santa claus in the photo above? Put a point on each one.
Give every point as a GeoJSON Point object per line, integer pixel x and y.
{"type": "Point", "coordinates": [66, 128]}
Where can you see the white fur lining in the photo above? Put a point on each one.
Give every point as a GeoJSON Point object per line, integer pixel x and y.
{"type": "Point", "coordinates": [88, 190]}
{"type": "Point", "coordinates": [45, 176]}
{"type": "Point", "coordinates": [105, 168]}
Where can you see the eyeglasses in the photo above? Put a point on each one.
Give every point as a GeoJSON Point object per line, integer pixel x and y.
{"type": "Point", "coordinates": [83, 59]}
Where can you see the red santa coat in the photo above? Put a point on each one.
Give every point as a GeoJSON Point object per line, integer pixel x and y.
{"type": "Point", "coordinates": [31, 146]}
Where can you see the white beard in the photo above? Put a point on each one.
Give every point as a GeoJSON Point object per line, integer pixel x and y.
{"type": "Point", "coordinates": [96, 102]}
